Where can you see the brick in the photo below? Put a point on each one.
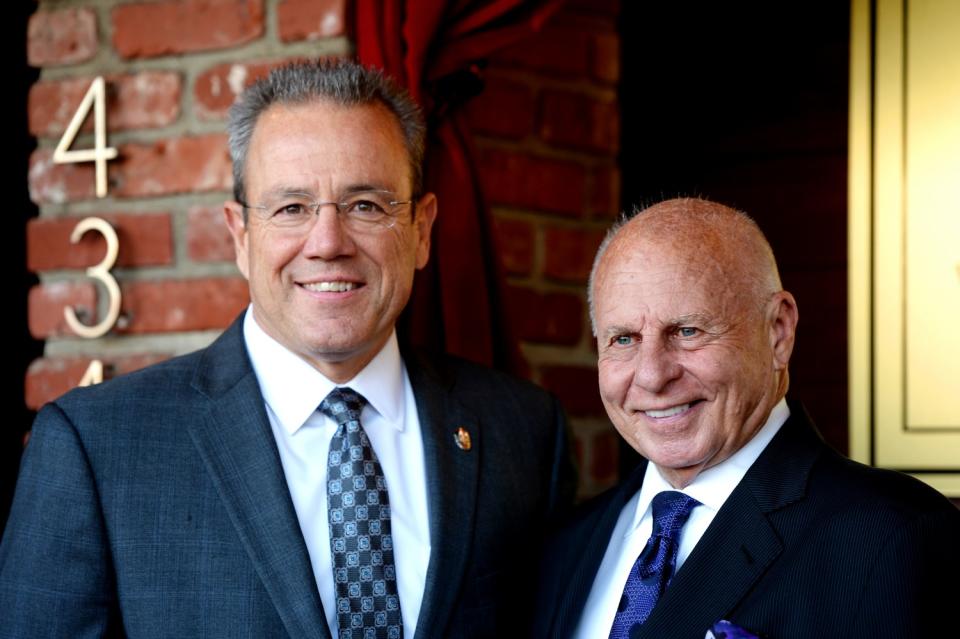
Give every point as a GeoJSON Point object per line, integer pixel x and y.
{"type": "Point", "coordinates": [208, 239]}
{"type": "Point", "coordinates": [150, 29]}
{"type": "Point", "coordinates": [605, 192]}
{"type": "Point", "coordinates": [143, 100]}
{"type": "Point", "coordinates": [216, 88]}
{"type": "Point", "coordinates": [311, 19]}
{"type": "Point", "coordinates": [578, 121]}
{"type": "Point", "coordinates": [577, 388]}
{"type": "Point", "coordinates": [605, 457]}
{"type": "Point", "coordinates": [166, 167]}
{"type": "Point", "coordinates": [504, 109]}
{"type": "Point", "coordinates": [50, 377]}
{"type": "Point", "coordinates": [605, 61]}
{"type": "Point", "coordinates": [176, 165]}
{"type": "Point", "coordinates": [65, 36]}
{"type": "Point", "coordinates": [145, 240]}
{"type": "Point", "coordinates": [562, 51]}
{"type": "Point", "coordinates": [147, 306]}
{"type": "Point", "coordinates": [58, 183]}
{"type": "Point", "coordinates": [515, 242]}
{"type": "Point", "coordinates": [163, 306]}
{"type": "Point", "coordinates": [524, 181]}
{"type": "Point", "coordinates": [45, 304]}
{"type": "Point", "coordinates": [569, 253]}
{"type": "Point", "coordinates": [554, 318]}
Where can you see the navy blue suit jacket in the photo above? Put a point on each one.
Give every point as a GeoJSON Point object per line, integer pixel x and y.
{"type": "Point", "coordinates": [155, 505]}
{"type": "Point", "coordinates": [809, 545]}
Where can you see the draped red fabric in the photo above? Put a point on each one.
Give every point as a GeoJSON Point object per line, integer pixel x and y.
{"type": "Point", "coordinates": [436, 48]}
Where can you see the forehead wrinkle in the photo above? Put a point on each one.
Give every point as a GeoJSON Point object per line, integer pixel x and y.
{"type": "Point", "coordinates": [687, 288]}
{"type": "Point", "coordinates": [719, 244]}
{"type": "Point", "coordinates": [384, 130]}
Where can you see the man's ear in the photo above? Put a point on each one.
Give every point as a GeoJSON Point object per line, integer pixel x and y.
{"type": "Point", "coordinates": [782, 319]}
{"type": "Point", "coordinates": [233, 217]}
{"type": "Point", "coordinates": [426, 213]}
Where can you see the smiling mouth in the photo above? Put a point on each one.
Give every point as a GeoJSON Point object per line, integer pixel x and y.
{"type": "Point", "coordinates": [669, 412]}
{"type": "Point", "coordinates": [330, 287]}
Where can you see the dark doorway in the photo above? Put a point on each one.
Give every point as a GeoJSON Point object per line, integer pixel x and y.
{"type": "Point", "coordinates": [746, 103]}
{"type": "Point", "coordinates": [21, 349]}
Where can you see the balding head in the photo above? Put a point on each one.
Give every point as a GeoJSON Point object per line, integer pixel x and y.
{"type": "Point", "coordinates": [694, 333]}
{"type": "Point", "coordinates": [723, 238]}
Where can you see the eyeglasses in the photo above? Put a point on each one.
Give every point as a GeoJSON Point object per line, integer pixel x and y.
{"type": "Point", "coordinates": [360, 211]}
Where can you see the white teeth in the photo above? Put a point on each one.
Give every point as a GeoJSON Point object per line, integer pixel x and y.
{"type": "Point", "coordinates": [669, 412]}
{"type": "Point", "coordinates": [325, 287]}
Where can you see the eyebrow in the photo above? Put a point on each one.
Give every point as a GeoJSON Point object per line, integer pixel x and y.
{"type": "Point", "coordinates": [285, 191]}
{"type": "Point", "coordinates": [288, 190]}
{"type": "Point", "coordinates": [359, 188]}
{"type": "Point", "coordinates": [692, 318]}
{"type": "Point", "coordinates": [618, 330]}
{"type": "Point", "coordinates": [682, 320]}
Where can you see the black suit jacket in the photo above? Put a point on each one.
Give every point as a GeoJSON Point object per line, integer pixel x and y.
{"type": "Point", "coordinates": [155, 505]}
{"type": "Point", "coordinates": [810, 544]}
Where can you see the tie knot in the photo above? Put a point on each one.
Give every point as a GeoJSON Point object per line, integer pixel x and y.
{"type": "Point", "coordinates": [343, 405]}
{"type": "Point", "coordinates": [670, 512]}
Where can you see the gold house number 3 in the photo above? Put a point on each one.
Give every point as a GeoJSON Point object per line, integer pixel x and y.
{"type": "Point", "coordinates": [100, 153]}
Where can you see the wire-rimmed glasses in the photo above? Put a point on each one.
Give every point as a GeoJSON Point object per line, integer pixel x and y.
{"type": "Point", "coordinates": [361, 211]}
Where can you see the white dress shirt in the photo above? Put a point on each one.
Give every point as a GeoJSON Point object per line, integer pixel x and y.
{"type": "Point", "coordinates": [711, 488]}
{"type": "Point", "coordinates": [292, 390]}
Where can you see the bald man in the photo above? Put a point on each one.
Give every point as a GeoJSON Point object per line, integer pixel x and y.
{"type": "Point", "coordinates": [740, 521]}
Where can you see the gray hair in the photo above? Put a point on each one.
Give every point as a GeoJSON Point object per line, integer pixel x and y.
{"type": "Point", "coordinates": [612, 232]}
{"type": "Point", "coordinates": [341, 82]}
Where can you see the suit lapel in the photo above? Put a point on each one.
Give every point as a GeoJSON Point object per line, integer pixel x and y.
{"type": "Point", "coordinates": [735, 551]}
{"type": "Point", "coordinates": [741, 543]}
{"type": "Point", "coordinates": [588, 553]}
{"type": "Point", "coordinates": [452, 483]}
{"type": "Point", "coordinates": [237, 446]}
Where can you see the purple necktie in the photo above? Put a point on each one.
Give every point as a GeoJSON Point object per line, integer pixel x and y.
{"type": "Point", "coordinates": [652, 571]}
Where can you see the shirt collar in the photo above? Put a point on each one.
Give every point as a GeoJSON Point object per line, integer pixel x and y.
{"type": "Point", "coordinates": [293, 389]}
{"type": "Point", "coordinates": [713, 486]}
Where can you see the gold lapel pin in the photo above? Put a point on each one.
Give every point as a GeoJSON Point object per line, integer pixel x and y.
{"type": "Point", "coordinates": [462, 439]}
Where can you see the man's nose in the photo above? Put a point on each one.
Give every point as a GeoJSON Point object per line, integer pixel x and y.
{"type": "Point", "coordinates": [657, 366]}
{"type": "Point", "coordinates": [328, 236]}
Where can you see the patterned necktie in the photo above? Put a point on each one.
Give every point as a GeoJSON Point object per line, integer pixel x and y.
{"type": "Point", "coordinates": [652, 571]}
{"type": "Point", "coordinates": [365, 578]}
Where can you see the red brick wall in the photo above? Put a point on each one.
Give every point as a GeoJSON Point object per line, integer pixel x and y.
{"type": "Point", "coordinates": [547, 134]}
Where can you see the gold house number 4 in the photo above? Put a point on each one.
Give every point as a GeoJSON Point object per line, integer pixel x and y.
{"type": "Point", "coordinates": [100, 153]}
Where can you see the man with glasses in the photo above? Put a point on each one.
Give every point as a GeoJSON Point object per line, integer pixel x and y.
{"type": "Point", "coordinates": [303, 475]}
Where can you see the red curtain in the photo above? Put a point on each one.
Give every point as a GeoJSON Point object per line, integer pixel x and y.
{"type": "Point", "coordinates": [436, 48]}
